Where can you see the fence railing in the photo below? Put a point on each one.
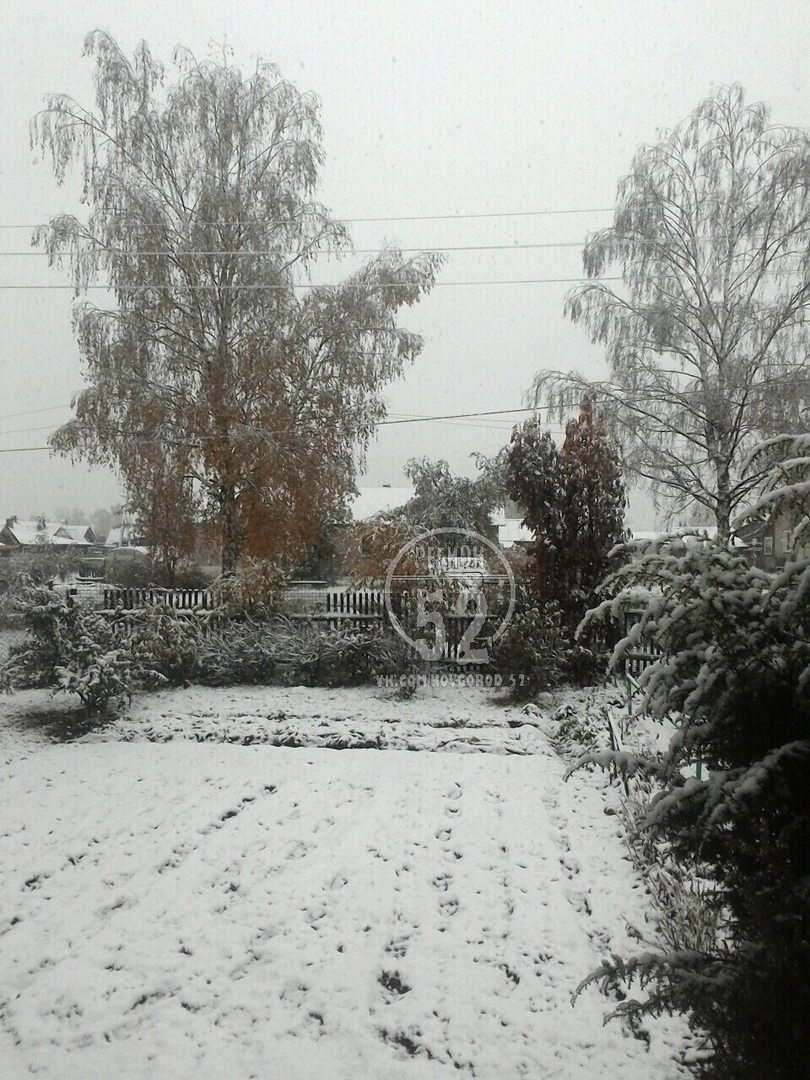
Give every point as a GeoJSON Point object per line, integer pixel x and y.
{"type": "Point", "coordinates": [365, 608]}
{"type": "Point", "coordinates": [180, 599]}
{"type": "Point", "coordinates": [644, 653]}
{"type": "Point", "coordinates": [362, 602]}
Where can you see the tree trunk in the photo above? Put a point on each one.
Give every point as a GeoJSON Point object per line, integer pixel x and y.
{"type": "Point", "coordinates": [230, 531]}
{"type": "Point", "coordinates": [722, 506]}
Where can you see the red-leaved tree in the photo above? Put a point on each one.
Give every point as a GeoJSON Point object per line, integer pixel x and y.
{"type": "Point", "coordinates": [573, 500]}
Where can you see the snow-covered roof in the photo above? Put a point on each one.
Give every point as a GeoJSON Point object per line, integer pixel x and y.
{"type": "Point", "coordinates": [76, 534]}
{"type": "Point", "coordinates": [33, 533]}
{"type": "Point", "coordinates": [694, 533]}
{"type": "Point", "coordinates": [115, 537]}
{"type": "Point", "coordinates": [122, 535]}
{"type": "Point", "coordinates": [378, 500]}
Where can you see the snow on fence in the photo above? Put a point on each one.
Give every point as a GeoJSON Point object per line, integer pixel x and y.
{"type": "Point", "coordinates": [364, 609]}
{"type": "Point", "coordinates": [178, 599]}
{"type": "Point", "coordinates": [641, 655]}
{"type": "Point", "coordinates": [357, 602]}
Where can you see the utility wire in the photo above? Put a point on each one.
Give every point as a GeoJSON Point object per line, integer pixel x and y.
{"type": "Point", "coordinates": [31, 412]}
{"type": "Point", "coordinates": [398, 418]}
{"type": "Point", "coordinates": [464, 217]}
{"type": "Point", "coordinates": [414, 217]}
{"type": "Point", "coordinates": [182, 252]}
{"type": "Point", "coordinates": [316, 285]}
{"type": "Point", "coordinates": [457, 416]}
{"type": "Point", "coordinates": [21, 431]}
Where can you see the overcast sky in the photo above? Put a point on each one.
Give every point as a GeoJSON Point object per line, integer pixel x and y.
{"type": "Point", "coordinates": [429, 107]}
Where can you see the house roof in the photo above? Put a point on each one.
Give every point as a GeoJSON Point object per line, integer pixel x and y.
{"type": "Point", "coordinates": [36, 533]}
{"type": "Point", "coordinates": [378, 500]}
{"type": "Point", "coordinates": [76, 534]}
{"type": "Point", "coordinates": [122, 535]}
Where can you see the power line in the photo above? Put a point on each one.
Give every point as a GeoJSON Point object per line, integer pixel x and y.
{"type": "Point", "coordinates": [31, 412]}
{"type": "Point", "coordinates": [316, 285]}
{"type": "Point", "coordinates": [396, 417]}
{"type": "Point", "coordinates": [182, 253]}
{"type": "Point", "coordinates": [21, 431]}
{"type": "Point", "coordinates": [382, 423]}
{"type": "Point", "coordinates": [463, 217]}
{"type": "Point", "coordinates": [394, 217]}
{"type": "Point", "coordinates": [458, 416]}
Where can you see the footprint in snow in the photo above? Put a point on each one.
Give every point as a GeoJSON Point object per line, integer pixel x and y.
{"type": "Point", "coordinates": [398, 947]}
{"type": "Point", "coordinates": [393, 985]}
{"type": "Point", "coordinates": [442, 882]}
{"type": "Point", "coordinates": [570, 865]}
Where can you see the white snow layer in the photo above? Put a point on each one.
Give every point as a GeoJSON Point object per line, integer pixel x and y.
{"type": "Point", "coordinates": [197, 910]}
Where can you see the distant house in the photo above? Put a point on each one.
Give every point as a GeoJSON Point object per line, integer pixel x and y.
{"type": "Point", "coordinates": [120, 536]}
{"type": "Point", "coordinates": [27, 535]}
{"type": "Point", "coordinates": [371, 501]}
{"type": "Point", "coordinates": [506, 520]}
{"type": "Point", "coordinates": [770, 542]}
{"type": "Point", "coordinates": [512, 533]}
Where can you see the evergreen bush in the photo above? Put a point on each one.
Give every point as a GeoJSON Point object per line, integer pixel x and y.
{"type": "Point", "coordinates": [736, 670]}
{"type": "Point", "coordinates": [74, 649]}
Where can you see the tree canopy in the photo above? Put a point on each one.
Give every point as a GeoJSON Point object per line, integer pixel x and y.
{"type": "Point", "coordinates": [707, 337]}
{"type": "Point", "coordinates": [223, 384]}
{"type": "Point", "coordinates": [573, 501]}
{"type": "Point", "coordinates": [441, 500]}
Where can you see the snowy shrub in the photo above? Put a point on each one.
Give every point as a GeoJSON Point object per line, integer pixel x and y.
{"type": "Point", "coordinates": [284, 651]}
{"type": "Point", "coordinates": [245, 651]}
{"type": "Point", "coordinates": [256, 590]}
{"type": "Point", "coordinates": [72, 649]}
{"type": "Point", "coordinates": [345, 656]}
{"type": "Point", "coordinates": [535, 646]}
{"type": "Point", "coordinates": [37, 566]}
{"type": "Point", "coordinates": [736, 668]}
{"type": "Point", "coordinates": [578, 730]}
{"type": "Point", "coordinates": [167, 643]}
{"type": "Point", "coordinates": [689, 917]}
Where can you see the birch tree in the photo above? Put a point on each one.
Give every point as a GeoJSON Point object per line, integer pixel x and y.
{"type": "Point", "coordinates": [218, 372]}
{"type": "Point", "coordinates": [706, 338]}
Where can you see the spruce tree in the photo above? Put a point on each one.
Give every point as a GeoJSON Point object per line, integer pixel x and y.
{"type": "Point", "coordinates": [735, 675]}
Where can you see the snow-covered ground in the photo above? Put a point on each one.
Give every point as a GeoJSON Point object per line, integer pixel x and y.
{"type": "Point", "coordinates": [175, 903]}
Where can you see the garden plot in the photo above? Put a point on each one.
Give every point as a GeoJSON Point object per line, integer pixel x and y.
{"type": "Point", "coordinates": [189, 909]}
{"type": "Point", "coordinates": [443, 718]}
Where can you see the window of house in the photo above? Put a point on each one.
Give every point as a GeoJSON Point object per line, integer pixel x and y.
{"type": "Point", "coordinates": [786, 544]}
{"type": "Point", "coordinates": [767, 545]}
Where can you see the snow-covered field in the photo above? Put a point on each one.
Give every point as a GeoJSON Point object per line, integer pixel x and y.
{"type": "Point", "coordinates": [176, 906]}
